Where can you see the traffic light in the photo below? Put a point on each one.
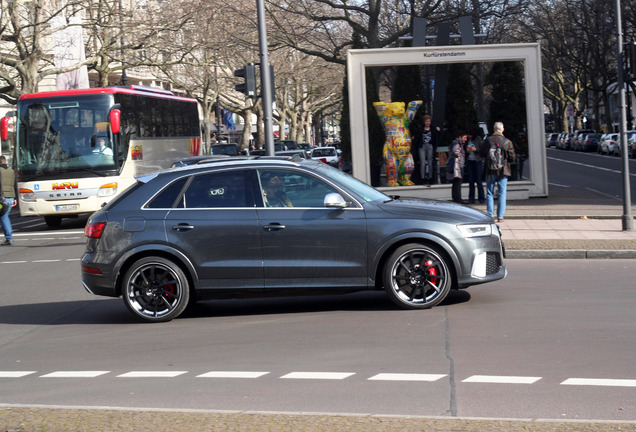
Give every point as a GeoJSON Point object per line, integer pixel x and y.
{"type": "Point", "coordinates": [248, 87]}
{"type": "Point", "coordinates": [631, 65]}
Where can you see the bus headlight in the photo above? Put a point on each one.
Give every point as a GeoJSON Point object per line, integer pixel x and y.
{"type": "Point", "coordinates": [107, 190]}
{"type": "Point", "coordinates": [26, 195]}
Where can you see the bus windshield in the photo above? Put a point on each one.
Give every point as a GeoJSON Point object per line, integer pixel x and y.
{"type": "Point", "coordinates": [57, 136]}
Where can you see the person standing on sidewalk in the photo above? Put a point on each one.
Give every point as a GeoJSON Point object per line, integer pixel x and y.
{"type": "Point", "coordinates": [455, 166]}
{"type": "Point", "coordinates": [498, 152]}
{"type": "Point", "coordinates": [7, 191]}
{"type": "Point", "coordinates": [474, 167]}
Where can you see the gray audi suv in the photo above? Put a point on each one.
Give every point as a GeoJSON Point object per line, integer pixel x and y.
{"type": "Point", "coordinates": [263, 226]}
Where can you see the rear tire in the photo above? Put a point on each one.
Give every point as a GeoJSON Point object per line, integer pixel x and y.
{"type": "Point", "coordinates": [417, 276]}
{"type": "Point", "coordinates": [155, 289]}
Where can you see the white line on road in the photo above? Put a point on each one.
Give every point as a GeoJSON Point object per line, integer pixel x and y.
{"type": "Point", "coordinates": [406, 377]}
{"type": "Point", "coordinates": [74, 374]}
{"type": "Point", "coordinates": [152, 374]}
{"type": "Point", "coordinates": [600, 382]}
{"type": "Point", "coordinates": [232, 374]}
{"type": "Point", "coordinates": [57, 233]}
{"type": "Point", "coordinates": [15, 374]}
{"type": "Point", "coordinates": [318, 375]}
{"type": "Point", "coordinates": [493, 379]}
{"type": "Point", "coordinates": [588, 165]}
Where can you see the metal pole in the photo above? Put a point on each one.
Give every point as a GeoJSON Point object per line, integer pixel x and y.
{"type": "Point", "coordinates": [124, 78]}
{"type": "Point", "coordinates": [266, 89]}
{"type": "Point", "coordinates": [627, 218]}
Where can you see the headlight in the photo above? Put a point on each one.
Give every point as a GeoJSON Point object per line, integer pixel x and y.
{"type": "Point", "coordinates": [26, 195]}
{"type": "Point", "coordinates": [107, 190]}
{"type": "Point", "coordinates": [475, 230]}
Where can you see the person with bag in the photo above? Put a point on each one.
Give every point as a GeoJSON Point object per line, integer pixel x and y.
{"type": "Point", "coordinates": [498, 152]}
{"type": "Point", "coordinates": [7, 192]}
{"type": "Point", "coordinates": [455, 167]}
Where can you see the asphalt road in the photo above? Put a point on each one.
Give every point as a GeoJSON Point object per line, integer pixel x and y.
{"type": "Point", "coordinates": [552, 341]}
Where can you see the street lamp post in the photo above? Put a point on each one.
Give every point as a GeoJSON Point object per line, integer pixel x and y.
{"type": "Point", "coordinates": [627, 218]}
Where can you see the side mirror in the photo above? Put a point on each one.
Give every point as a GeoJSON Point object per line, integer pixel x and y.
{"type": "Point", "coordinates": [115, 121]}
{"type": "Point", "coordinates": [4, 127]}
{"type": "Point", "coordinates": [335, 200]}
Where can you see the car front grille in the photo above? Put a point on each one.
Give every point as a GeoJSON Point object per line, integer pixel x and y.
{"type": "Point", "coordinates": [493, 262]}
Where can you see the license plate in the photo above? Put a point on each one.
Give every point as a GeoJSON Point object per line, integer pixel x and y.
{"type": "Point", "coordinates": [66, 207]}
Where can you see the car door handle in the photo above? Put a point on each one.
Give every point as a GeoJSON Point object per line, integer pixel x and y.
{"type": "Point", "coordinates": [182, 227]}
{"type": "Point", "coordinates": [274, 227]}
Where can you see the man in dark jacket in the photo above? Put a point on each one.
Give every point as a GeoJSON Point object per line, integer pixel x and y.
{"type": "Point", "coordinates": [497, 172]}
{"type": "Point", "coordinates": [7, 191]}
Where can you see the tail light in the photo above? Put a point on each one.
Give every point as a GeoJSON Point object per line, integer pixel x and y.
{"type": "Point", "coordinates": [94, 230]}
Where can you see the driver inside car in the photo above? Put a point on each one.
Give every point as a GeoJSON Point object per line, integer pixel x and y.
{"type": "Point", "coordinates": [274, 194]}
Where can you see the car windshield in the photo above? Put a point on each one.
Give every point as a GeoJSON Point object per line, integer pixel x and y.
{"type": "Point", "coordinates": [363, 190]}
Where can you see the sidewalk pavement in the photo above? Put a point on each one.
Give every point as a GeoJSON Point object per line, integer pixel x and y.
{"type": "Point", "coordinates": [567, 224]}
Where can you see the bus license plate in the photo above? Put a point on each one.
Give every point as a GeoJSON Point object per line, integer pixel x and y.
{"type": "Point", "coordinates": [66, 207]}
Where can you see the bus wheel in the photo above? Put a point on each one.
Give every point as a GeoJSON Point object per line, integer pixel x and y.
{"type": "Point", "coordinates": [53, 221]}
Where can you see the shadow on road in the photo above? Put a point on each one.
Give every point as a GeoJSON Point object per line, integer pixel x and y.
{"type": "Point", "coordinates": [113, 311]}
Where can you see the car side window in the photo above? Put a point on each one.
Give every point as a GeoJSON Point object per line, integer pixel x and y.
{"type": "Point", "coordinates": [167, 197]}
{"type": "Point", "coordinates": [288, 188]}
{"type": "Point", "coordinates": [223, 189]}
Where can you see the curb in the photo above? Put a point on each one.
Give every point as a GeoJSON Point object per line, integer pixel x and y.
{"type": "Point", "coordinates": [570, 254]}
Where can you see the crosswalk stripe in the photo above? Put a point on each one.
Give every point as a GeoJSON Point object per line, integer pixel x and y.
{"type": "Point", "coordinates": [232, 374]}
{"type": "Point", "coordinates": [152, 374]}
{"type": "Point", "coordinates": [493, 379]}
{"type": "Point", "coordinates": [406, 377]}
{"type": "Point", "coordinates": [600, 382]}
{"type": "Point", "coordinates": [318, 375]}
{"type": "Point", "coordinates": [74, 374]}
{"type": "Point", "coordinates": [15, 374]}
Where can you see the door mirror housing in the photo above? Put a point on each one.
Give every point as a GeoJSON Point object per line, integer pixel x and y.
{"type": "Point", "coordinates": [115, 120]}
{"type": "Point", "coordinates": [4, 127]}
{"type": "Point", "coordinates": [335, 200]}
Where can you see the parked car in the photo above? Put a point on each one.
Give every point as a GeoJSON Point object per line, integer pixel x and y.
{"type": "Point", "coordinates": [191, 160]}
{"type": "Point", "coordinates": [565, 143]}
{"type": "Point", "coordinates": [609, 144]}
{"type": "Point", "coordinates": [578, 136]}
{"type": "Point", "coordinates": [267, 226]}
{"type": "Point", "coordinates": [285, 145]}
{"type": "Point", "coordinates": [632, 145]}
{"type": "Point", "coordinates": [328, 155]}
{"type": "Point", "coordinates": [551, 139]}
{"type": "Point", "coordinates": [226, 149]}
{"type": "Point", "coordinates": [300, 153]}
{"type": "Point", "coordinates": [589, 143]}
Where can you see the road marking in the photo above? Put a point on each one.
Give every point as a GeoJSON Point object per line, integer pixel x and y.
{"type": "Point", "coordinates": [600, 382]}
{"type": "Point", "coordinates": [588, 165]}
{"type": "Point", "coordinates": [74, 374]}
{"type": "Point", "coordinates": [232, 374]}
{"type": "Point", "coordinates": [57, 233]}
{"type": "Point", "coordinates": [46, 260]}
{"type": "Point", "coordinates": [318, 375]}
{"type": "Point", "coordinates": [494, 379]}
{"type": "Point", "coordinates": [152, 374]}
{"type": "Point", "coordinates": [15, 374]}
{"type": "Point", "coordinates": [406, 377]}
{"type": "Point", "coordinates": [13, 262]}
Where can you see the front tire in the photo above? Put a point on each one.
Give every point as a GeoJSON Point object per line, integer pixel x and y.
{"type": "Point", "coordinates": [53, 221]}
{"type": "Point", "coordinates": [155, 289]}
{"type": "Point", "coordinates": [417, 277]}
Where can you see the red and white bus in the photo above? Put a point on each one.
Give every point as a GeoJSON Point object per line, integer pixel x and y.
{"type": "Point", "coordinates": [77, 149]}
